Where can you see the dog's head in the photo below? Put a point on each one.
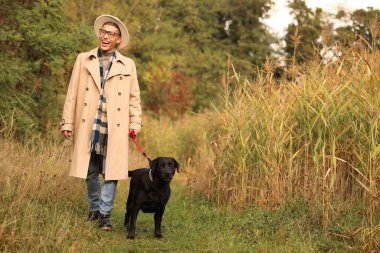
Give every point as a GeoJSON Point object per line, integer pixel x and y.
{"type": "Point", "coordinates": [163, 168]}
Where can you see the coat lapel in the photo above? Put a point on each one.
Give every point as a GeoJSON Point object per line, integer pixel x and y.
{"type": "Point", "coordinates": [92, 65]}
{"type": "Point", "coordinates": [119, 67]}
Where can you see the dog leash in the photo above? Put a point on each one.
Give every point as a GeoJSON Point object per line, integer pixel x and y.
{"type": "Point", "coordinates": [134, 139]}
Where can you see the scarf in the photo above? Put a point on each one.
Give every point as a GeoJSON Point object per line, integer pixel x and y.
{"type": "Point", "coordinates": [99, 136]}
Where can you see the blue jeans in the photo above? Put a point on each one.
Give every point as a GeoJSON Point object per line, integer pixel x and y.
{"type": "Point", "coordinates": [100, 196]}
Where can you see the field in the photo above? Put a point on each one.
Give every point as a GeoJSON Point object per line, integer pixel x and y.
{"type": "Point", "coordinates": [284, 165]}
{"type": "Point", "coordinates": [43, 210]}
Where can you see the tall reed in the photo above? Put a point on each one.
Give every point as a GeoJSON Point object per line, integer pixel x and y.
{"type": "Point", "coordinates": [314, 137]}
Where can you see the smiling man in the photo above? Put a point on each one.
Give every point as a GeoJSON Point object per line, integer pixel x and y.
{"type": "Point", "coordinates": [101, 109]}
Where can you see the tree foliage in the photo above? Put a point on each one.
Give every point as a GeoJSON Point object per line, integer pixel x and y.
{"type": "Point", "coordinates": [302, 35]}
{"type": "Point", "coordinates": [187, 41]}
{"type": "Point", "coordinates": [310, 28]}
{"type": "Point", "coordinates": [37, 46]}
{"type": "Point", "coordinates": [365, 24]}
{"type": "Point", "coordinates": [180, 47]}
{"type": "Point", "coordinates": [168, 94]}
{"type": "Point", "coordinates": [187, 37]}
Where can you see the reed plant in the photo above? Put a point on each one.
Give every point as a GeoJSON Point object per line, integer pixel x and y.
{"type": "Point", "coordinates": [313, 137]}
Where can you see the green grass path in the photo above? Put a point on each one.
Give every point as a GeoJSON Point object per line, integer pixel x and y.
{"type": "Point", "coordinates": [44, 210]}
{"type": "Point", "coordinates": [189, 225]}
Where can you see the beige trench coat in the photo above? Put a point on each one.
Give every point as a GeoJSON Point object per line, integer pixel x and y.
{"type": "Point", "coordinates": [123, 112]}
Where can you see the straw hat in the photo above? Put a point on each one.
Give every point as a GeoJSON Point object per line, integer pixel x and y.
{"type": "Point", "coordinates": [99, 22]}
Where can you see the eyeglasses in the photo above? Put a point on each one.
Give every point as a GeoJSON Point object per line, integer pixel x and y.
{"type": "Point", "coordinates": [109, 33]}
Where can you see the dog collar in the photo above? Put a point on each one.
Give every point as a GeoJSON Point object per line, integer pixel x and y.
{"type": "Point", "coordinates": [150, 175]}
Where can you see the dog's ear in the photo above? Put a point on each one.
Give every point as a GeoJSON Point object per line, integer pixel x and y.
{"type": "Point", "coordinates": [176, 164]}
{"type": "Point", "coordinates": [152, 164]}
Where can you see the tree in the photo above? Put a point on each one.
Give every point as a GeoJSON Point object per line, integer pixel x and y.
{"type": "Point", "coordinates": [38, 47]}
{"type": "Point", "coordinates": [364, 24]}
{"type": "Point", "coordinates": [168, 94]}
{"type": "Point", "coordinates": [241, 31]}
{"type": "Point", "coordinates": [307, 27]}
{"type": "Point", "coordinates": [188, 41]}
{"type": "Point", "coordinates": [188, 37]}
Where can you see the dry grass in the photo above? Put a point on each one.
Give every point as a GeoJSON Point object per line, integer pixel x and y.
{"type": "Point", "coordinates": [37, 198]}
{"type": "Point", "coordinates": [315, 137]}
{"type": "Point", "coordinates": [42, 209]}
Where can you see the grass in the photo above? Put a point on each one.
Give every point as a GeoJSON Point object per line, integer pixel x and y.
{"type": "Point", "coordinates": [282, 167]}
{"type": "Point", "coordinates": [314, 137]}
{"type": "Point", "coordinates": [44, 210]}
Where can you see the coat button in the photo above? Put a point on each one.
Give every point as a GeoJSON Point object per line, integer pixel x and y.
{"type": "Point", "coordinates": [118, 109]}
{"type": "Point", "coordinates": [87, 89]}
{"type": "Point", "coordinates": [83, 120]}
{"type": "Point", "coordinates": [118, 124]}
{"type": "Point", "coordinates": [119, 93]}
{"type": "Point", "coordinates": [121, 78]}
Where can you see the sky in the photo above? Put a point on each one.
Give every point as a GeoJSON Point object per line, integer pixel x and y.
{"type": "Point", "coordinates": [279, 15]}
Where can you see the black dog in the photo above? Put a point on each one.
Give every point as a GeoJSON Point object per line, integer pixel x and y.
{"type": "Point", "coordinates": [149, 191]}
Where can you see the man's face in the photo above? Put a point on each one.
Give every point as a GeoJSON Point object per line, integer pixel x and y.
{"type": "Point", "coordinates": [109, 37]}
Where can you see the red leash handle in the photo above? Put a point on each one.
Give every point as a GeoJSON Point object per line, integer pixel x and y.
{"type": "Point", "coordinates": [134, 139]}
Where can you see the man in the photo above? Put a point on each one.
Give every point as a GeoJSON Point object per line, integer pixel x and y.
{"type": "Point", "coordinates": [102, 107]}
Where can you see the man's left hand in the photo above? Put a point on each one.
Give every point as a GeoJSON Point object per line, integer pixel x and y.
{"type": "Point", "coordinates": [133, 133]}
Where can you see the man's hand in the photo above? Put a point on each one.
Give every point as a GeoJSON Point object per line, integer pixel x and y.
{"type": "Point", "coordinates": [67, 134]}
{"type": "Point", "coordinates": [133, 133]}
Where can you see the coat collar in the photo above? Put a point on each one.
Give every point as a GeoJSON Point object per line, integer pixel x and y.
{"type": "Point", "coordinates": [120, 66]}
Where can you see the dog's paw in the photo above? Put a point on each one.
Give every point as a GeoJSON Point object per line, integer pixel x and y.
{"type": "Point", "coordinates": [131, 237]}
{"type": "Point", "coordinates": [158, 235]}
